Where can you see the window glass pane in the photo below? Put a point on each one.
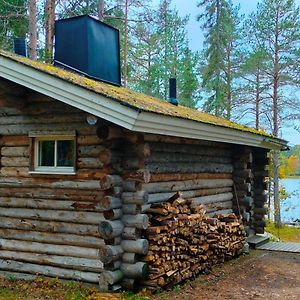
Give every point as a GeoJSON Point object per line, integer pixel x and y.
{"type": "Point", "coordinates": [65, 153]}
{"type": "Point", "coordinates": [46, 153]}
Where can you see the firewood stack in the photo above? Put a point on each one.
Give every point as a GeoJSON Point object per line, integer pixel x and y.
{"type": "Point", "coordinates": [184, 241]}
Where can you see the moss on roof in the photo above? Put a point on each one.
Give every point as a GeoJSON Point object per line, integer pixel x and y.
{"type": "Point", "coordinates": [131, 98]}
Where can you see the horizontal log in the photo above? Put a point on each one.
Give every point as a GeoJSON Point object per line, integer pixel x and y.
{"type": "Point", "coordinates": [53, 194]}
{"type": "Point", "coordinates": [50, 204]}
{"type": "Point", "coordinates": [14, 171]}
{"type": "Point", "coordinates": [11, 101]}
{"type": "Point", "coordinates": [52, 238]}
{"type": "Point", "coordinates": [212, 199]}
{"type": "Point", "coordinates": [161, 197]}
{"type": "Point", "coordinates": [53, 215]}
{"type": "Point", "coordinates": [218, 206]}
{"type": "Point", "coordinates": [88, 140]}
{"type": "Point", "coordinates": [11, 265]}
{"type": "Point", "coordinates": [170, 167]}
{"type": "Point", "coordinates": [49, 118]}
{"type": "Point", "coordinates": [108, 253]}
{"type": "Point", "coordinates": [64, 250]}
{"type": "Point", "coordinates": [176, 186]}
{"type": "Point", "coordinates": [18, 151]}
{"type": "Point", "coordinates": [110, 229]}
{"type": "Point", "coordinates": [164, 157]}
{"type": "Point", "coordinates": [190, 149]}
{"type": "Point", "coordinates": [50, 183]}
{"type": "Point", "coordinates": [138, 270]}
{"type": "Point", "coordinates": [25, 128]}
{"type": "Point", "coordinates": [89, 162]}
{"type": "Point", "coordinates": [14, 161]}
{"type": "Point", "coordinates": [187, 176]}
{"type": "Point", "coordinates": [139, 246]}
{"type": "Point", "coordinates": [48, 226]}
{"type": "Point", "coordinates": [14, 141]}
{"type": "Point", "coordinates": [68, 262]}
{"type": "Point", "coordinates": [89, 150]}
{"type": "Point", "coordinates": [140, 221]}
{"type": "Point", "coordinates": [179, 140]}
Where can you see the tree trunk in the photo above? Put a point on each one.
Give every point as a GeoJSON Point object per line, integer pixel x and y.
{"type": "Point", "coordinates": [126, 42]}
{"type": "Point", "coordinates": [101, 10]}
{"type": "Point", "coordinates": [277, 218]}
{"type": "Point", "coordinates": [49, 28]}
{"type": "Point", "coordinates": [32, 10]}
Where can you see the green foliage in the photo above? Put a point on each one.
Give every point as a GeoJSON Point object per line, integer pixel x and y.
{"type": "Point", "coordinates": [220, 22]}
{"type": "Point", "coordinates": [160, 51]}
{"type": "Point", "coordinates": [13, 22]}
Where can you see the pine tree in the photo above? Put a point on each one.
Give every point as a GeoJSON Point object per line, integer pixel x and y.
{"type": "Point", "coordinates": [219, 22]}
{"type": "Point", "coordinates": [278, 26]}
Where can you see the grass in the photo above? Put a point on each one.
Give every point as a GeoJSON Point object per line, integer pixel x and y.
{"type": "Point", "coordinates": [285, 233]}
{"type": "Point", "coordinates": [42, 288]}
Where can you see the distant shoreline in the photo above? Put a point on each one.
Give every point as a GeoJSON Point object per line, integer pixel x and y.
{"type": "Point", "coordinates": [292, 177]}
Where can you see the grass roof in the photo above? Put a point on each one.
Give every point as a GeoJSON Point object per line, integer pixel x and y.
{"type": "Point", "coordinates": [131, 98]}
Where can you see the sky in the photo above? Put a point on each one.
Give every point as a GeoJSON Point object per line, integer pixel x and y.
{"type": "Point", "coordinates": [189, 7]}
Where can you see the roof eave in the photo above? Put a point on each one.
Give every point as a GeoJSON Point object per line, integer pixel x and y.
{"type": "Point", "coordinates": [124, 116]}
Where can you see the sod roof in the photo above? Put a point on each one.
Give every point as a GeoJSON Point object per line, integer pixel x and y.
{"type": "Point", "coordinates": [131, 98]}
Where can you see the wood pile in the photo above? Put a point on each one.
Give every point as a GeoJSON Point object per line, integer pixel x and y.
{"type": "Point", "coordinates": [184, 241]}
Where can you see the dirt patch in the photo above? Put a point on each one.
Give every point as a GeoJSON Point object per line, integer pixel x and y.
{"type": "Point", "coordinates": [262, 275]}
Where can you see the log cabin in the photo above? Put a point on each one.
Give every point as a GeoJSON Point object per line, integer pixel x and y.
{"type": "Point", "coordinates": [85, 164]}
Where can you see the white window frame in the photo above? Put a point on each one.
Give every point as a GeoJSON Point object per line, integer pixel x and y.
{"type": "Point", "coordinates": [36, 169]}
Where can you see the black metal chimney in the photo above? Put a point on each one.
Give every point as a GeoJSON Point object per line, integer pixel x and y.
{"type": "Point", "coordinates": [20, 46]}
{"type": "Point", "coordinates": [173, 91]}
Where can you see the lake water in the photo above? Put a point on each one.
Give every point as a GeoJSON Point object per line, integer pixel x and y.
{"type": "Point", "coordinates": [290, 208]}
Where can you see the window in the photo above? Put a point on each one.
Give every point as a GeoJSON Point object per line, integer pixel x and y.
{"type": "Point", "coordinates": [53, 154]}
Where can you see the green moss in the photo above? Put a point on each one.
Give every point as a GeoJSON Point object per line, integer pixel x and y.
{"type": "Point", "coordinates": [130, 98]}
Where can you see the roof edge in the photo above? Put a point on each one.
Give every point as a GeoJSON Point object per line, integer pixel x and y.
{"type": "Point", "coordinates": [127, 116]}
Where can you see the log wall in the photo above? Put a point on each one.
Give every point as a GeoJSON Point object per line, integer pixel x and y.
{"type": "Point", "coordinates": [49, 224]}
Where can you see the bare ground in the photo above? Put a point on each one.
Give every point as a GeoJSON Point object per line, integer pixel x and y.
{"type": "Point", "coordinates": [261, 275]}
